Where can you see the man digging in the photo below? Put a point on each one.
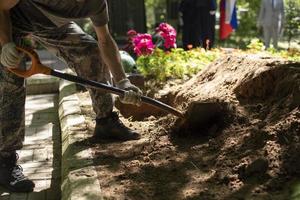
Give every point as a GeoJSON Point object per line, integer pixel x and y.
{"type": "Point", "coordinates": [49, 22]}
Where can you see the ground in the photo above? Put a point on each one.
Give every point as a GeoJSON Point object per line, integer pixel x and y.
{"type": "Point", "coordinates": [246, 148]}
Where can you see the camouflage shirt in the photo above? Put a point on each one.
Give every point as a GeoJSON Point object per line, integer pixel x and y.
{"type": "Point", "coordinates": [60, 12]}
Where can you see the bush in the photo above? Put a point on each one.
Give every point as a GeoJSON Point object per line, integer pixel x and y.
{"type": "Point", "coordinates": [292, 20]}
{"type": "Point", "coordinates": [177, 63]}
{"type": "Point", "coordinates": [255, 45]}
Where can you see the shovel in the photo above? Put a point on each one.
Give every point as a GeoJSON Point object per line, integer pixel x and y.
{"type": "Point", "coordinates": [38, 68]}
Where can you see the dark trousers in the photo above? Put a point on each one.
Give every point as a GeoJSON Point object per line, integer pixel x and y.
{"type": "Point", "coordinates": [198, 27]}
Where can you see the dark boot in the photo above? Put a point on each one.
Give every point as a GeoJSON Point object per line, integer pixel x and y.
{"type": "Point", "coordinates": [111, 128]}
{"type": "Point", "coordinates": [12, 177]}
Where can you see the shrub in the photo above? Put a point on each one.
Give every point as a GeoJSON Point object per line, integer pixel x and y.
{"type": "Point", "coordinates": [174, 64]}
{"type": "Point", "coordinates": [292, 20]}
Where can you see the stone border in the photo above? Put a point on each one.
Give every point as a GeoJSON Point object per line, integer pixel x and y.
{"type": "Point", "coordinates": [79, 176]}
{"type": "Point", "coordinates": [42, 84]}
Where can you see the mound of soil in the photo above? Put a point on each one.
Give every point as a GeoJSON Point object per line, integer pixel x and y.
{"type": "Point", "coordinates": [247, 149]}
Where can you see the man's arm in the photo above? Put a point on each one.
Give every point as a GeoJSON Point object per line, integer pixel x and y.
{"type": "Point", "coordinates": [112, 58]}
{"type": "Point", "coordinates": [110, 53]}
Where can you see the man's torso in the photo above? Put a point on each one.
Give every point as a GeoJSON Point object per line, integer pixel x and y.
{"type": "Point", "coordinates": [39, 14]}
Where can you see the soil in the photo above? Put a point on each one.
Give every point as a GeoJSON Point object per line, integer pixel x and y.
{"type": "Point", "coordinates": [248, 149]}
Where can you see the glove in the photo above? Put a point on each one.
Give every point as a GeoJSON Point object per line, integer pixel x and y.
{"type": "Point", "coordinates": [132, 95]}
{"type": "Point", "coordinates": [10, 57]}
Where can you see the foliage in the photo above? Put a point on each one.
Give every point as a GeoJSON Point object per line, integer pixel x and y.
{"type": "Point", "coordinates": [291, 54]}
{"type": "Point", "coordinates": [292, 19]}
{"type": "Point", "coordinates": [179, 64]}
{"type": "Point", "coordinates": [175, 64]}
{"type": "Point", "coordinates": [155, 11]}
{"type": "Point", "coordinates": [255, 45]}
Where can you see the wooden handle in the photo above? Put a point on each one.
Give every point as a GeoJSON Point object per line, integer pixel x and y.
{"type": "Point", "coordinates": [36, 68]}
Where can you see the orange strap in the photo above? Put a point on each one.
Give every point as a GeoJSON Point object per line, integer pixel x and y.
{"type": "Point", "coordinates": [36, 68]}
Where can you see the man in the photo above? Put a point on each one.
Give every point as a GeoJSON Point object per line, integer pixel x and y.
{"type": "Point", "coordinates": [187, 10]}
{"type": "Point", "coordinates": [49, 23]}
{"type": "Point", "coordinates": [206, 21]}
{"type": "Point", "coordinates": [271, 19]}
{"type": "Point", "coordinates": [198, 23]}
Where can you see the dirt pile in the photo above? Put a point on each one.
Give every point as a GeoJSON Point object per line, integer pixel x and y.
{"type": "Point", "coordinates": [249, 148]}
{"type": "Point", "coordinates": [255, 151]}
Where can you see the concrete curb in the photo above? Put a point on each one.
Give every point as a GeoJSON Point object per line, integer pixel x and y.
{"type": "Point", "coordinates": [42, 84]}
{"type": "Point", "coordinates": [79, 176]}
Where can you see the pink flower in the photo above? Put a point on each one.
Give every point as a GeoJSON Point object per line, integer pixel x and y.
{"type": "Point", "coordinates": [143, 44]}
{"type": "Point", "coordinates": [169, 34]}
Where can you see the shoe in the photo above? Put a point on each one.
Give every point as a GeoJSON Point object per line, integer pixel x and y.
{"type": "Point", "coordinates": [111, 128]}
{"type": "Point", "coordinates": [12, 177]}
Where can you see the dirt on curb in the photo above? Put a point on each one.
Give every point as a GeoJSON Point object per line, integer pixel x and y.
{"type": "Point", "coordinates": [248, 149]}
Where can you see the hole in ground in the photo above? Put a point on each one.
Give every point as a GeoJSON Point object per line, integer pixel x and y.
{"type": "Point", "coordinates": [203, 119]}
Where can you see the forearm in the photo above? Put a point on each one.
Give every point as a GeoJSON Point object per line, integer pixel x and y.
{"type": "Point", "coordinates": [110, 54]}
{"type": "Point", "coordinates": [5, 27]}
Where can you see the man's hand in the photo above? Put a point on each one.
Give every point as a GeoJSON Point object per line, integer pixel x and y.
{"type": "Point", "coordinates": [10, 57]}
{"type": "Point", "coordinates": [132, 95]}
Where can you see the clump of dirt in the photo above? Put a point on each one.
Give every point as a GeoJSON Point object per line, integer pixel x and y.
{"type": "Point", "coordinates": [246, 145]}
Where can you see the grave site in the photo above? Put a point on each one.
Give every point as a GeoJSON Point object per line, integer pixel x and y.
{"type": "Point", "coordinates": [239, 138]}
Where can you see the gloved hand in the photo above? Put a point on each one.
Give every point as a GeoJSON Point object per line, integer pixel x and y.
{"type": "Point", "coordinates": [132, 95]}
{"type": "Point", "coordinates": [10, 57]}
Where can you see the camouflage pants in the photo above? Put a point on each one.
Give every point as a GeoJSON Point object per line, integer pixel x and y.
{"type": "Point", "coordinates": [81, 53]}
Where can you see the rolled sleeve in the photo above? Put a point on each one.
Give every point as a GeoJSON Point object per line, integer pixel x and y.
{"type": "Point", "coordinates": [101, 17]}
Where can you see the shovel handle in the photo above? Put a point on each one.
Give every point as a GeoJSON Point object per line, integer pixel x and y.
{"type": "Point", "coordinates": [36, 67]}
{"type": "Point", "coordinates": [115, 90]}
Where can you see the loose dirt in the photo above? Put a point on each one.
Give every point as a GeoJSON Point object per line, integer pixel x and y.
{"type": "Point", "coordinates": [248, 148]}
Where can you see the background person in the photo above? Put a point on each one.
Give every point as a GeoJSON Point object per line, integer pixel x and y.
{"type": "Point", "coordinates": [271, 19]}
